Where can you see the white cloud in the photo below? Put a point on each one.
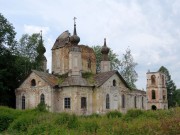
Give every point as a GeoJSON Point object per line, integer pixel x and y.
{"type": "Point", "coordinates": [30, 29]}
{"type": "Point", "coordinates": [150, 28]}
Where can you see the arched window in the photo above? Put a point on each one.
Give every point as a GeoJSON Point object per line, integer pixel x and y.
{"type": "Point", "coordinates": [114, 82]}
{"type": "Point", "coordinates": [89, 63]}
{"type": "Point", "coordinates": [142, 102]}
{"type": "Point", "coordinates": [33, 82]}
{"type": "Point", "coordinates": [23, 102]}
{"type": "Point", "coordinates": [135, 104]}
{"type": "Point", "coordinates": [42, 98]}
{"type": "Point", "coordinates": [123, 101]}
{"type": "Point", "coordinates": [107, 102]}
{"type": "Point", "coordinates": [153, 79]}
{"type": "Point", "coordinates": [153, 94]}
{"type": "Point", "coordinates": [163, 80]}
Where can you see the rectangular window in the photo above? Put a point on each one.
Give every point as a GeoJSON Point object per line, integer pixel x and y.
{"type": "Point", "coordinates": [83, 103]}
{"type": "Point", "coordinates": [67, 103]}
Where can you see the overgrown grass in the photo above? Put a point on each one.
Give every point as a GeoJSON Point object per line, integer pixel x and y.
{"type": "Point", "coordinates": [30, 122]}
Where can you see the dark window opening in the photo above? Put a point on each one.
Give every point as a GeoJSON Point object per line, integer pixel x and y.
{"type": "Point", "coordinates": [42, 97]}
{"type": "Point", "coordinates": [123, 101]}
{"type": "Point", "coordinates": [83, 103]}
{"type": "Point", "coordinates": [164, 97]}
{"type": "Point", "coordinates": [107, 101]}
{"type": "Point", "coordinates": [23, 102]}
{"type": "Point", "coordinates": [162, 80]}
{"type": "Point", "coordinates": [33, 82]}
{"type": "Point", "coordinates": [114, 82]}
{"type": "Point", "coordinates": [142, 102]}
{"type": "Point", "coordinates": [89, 63]}
{"type": "Point", "coordinates": [153, 79]}
{"type": "Point", "coordinates": [153, 94]}
{"type": "Point", "coordinates": [135, 104]}
{"type": "Point", "coordinates": [67, 103]}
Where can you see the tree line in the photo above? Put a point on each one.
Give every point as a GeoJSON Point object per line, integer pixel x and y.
{"type": "Point", "coordinates": [18, 58]}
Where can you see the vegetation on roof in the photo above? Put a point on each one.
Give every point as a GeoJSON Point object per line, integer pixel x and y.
{"type": "Point", "coordinates": [62, 77]}
{"type": "Point", "coordinates": [88, 76]}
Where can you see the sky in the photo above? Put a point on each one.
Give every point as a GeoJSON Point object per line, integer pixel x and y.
{"type": "Point", "coordinates": [149, 28]}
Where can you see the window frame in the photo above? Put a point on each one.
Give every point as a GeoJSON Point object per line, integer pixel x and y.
{"type": "Point", "coordinates": [33, 82]}
{"type": "Point", "coordinates": [107, 101]}
{"type": "Point", "coordinates": [42, 98]}
{"type": "Point", "coordinates": [123, 101]}
{"type": "Point", "coordinates": [83, 102]}
{"type": "Point", "coordinates": [153, 94]}
{"type": "Point", "coordinates": [67, 103]}
{"type": "Point", "coordinates": [114, 82]}
{"type": "Point", "coordinates": [153, 79]}
{"type": "Point", "coordinates": [23, 101]}
{"type": "Point", "coordinates": [135, 102]}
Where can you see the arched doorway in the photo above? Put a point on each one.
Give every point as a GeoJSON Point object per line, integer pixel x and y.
{"type": "Point", "coordinates": [153, 107]}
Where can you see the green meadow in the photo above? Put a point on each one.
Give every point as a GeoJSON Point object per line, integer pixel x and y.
{"type": "Point", "coordinates": [135, 122]}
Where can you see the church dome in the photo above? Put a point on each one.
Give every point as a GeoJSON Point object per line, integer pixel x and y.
{"type": "Point", "coordinates": [105, 49]}
{"type": "Point", "coordinates": [74, 39]}
{"type": "Point", "coordinates": [62, 40]}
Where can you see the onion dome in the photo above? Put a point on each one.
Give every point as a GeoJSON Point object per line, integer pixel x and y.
{"type": "Point", "coordinates": [74, 39]}
{"type": "Point", "coordinates": [105, 49]}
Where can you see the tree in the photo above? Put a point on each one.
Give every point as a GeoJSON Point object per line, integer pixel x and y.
{"type": "Point", "coordinates": [7, 49]}
{"type": "Point", "coordinates": [27, 46]}
{"type": "Point", "coordinates": [114, 61]}
{"type": "Point", "coordinates": [170, 85]}
{"type": "Point", "coordinates": [40, 57]}
{"type": "Point", "coordinates": [7, 35]}
{"type": "Point", "coordinates": [176, 97]}
{"type": "Point", "coordinates": [127, 69]}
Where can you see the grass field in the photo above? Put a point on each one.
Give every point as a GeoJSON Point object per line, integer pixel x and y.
{"type": "Point", "coordinates": [134, 122]}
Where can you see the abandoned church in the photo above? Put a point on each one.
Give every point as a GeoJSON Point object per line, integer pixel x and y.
{"type": "Point", "coordinates": [75, 87]}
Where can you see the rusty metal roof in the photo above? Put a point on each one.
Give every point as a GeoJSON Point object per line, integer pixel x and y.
{"type": "Point", "coordinates": [103, 77]}
{"type": "Point", "coordinates": [49, 78]}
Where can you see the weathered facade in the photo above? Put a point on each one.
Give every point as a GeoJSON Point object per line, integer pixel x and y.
{"type": "Point", "coordinates": [74, 86]}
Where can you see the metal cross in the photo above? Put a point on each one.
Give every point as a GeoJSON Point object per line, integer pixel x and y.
{"type": "Point", "coordinates": [74, 20]}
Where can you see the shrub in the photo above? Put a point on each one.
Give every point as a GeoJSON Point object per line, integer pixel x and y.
{"type": "Point", "coordinates": [5, 120]}
{"type": "Point", "coordinates": [23, 122]}
{"type": "Point", "coordinates": [70, 121]}
{"type": "Point", "coordinates": [7, 116]}
{"type": "Point", "coordinates": [90, 126]}
{"type": "Point", "coordinates": [134, 113]}
{"type": "Point", "coordinates": [114, 114]}
{"type": "Point", "coordinates": [42, 107]}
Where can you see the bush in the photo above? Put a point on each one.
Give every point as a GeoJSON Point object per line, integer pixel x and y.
{"type": "Point", "coordinates": [42, 107]}
{"type": "Point", "coordinates": [7, 116]}
{"type": "Point", "coordinates": [90, 126]}
{"type": "Point", "coordinates": [114, 114]}
{"type": "Point", "coordinates": [70, 121]}
{"type": "Point", "coordinates": [23, 122]}
{"type": "Point", "coordinates": [133, 113]}
{"type": "Point", "coordinates": [5, 120]}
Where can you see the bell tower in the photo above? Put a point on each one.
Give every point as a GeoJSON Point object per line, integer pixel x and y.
{"type": "Point", "coordinates": [105, 63]}
{"type": "Point", "coordinates": [156, 91]}
{"type": "Point", "coordinates": [75, 60]}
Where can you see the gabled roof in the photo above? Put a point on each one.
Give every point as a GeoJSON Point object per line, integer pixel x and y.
{"type": "Point", "coordinates": [103, 77]}
{"type": "Point", "coordinates": [139, 91]}
{"type": "Point", "coordinates": [49, 78]}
